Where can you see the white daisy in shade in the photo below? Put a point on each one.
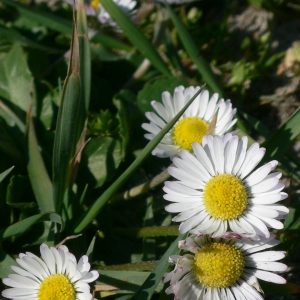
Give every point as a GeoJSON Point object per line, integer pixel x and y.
{"type": "Point", "coordinates": [192, 125]}
{"type": "Point", "coordinates": [223, 268]}
{"type": "Point", "coordinates": [56, 275]}
{"type": "Point", "coordinates": [217, 190]}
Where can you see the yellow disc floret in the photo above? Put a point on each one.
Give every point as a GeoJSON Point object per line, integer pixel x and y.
{"type": "Point", "coordinates": [57, 287]}
{"type": "Point", "coordinates": [95, 4]}
{"type": "Point", "coordinates": [189, 130]}
{"type": "Point", "coordinates": [225, 197]}
{"type": "Point", "coordinates": [218, 265]}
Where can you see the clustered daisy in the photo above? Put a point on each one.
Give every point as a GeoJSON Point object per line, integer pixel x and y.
{"type": "Point", "coordinates": [225, 203]}
{"type": "Point", "coordinates": [57, 275]}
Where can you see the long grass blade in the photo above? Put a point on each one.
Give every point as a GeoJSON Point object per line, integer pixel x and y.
{"type": "Point", "coordinates": [190, 47]}
{"type": "Point", "coordinates": [135, 36]}
{"type": "Point", "coordinates": [102, 200]}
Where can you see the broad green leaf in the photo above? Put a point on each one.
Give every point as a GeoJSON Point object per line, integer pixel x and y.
{"type": "Point", "coordinates": [148, 288]}
{"type": "Point", "coordinates": [153, 90]}
{"type": "Point", "coordinates": [6, 261]}
{"type": "Point", "coordinates": [39, 178]}
{"type": "Point", "coordinates": [60, 25]}
{"type": "Point", "coordinates": [5, 173]}
{"type": "Point", "coordinates": [69, 126]}
{"type": "Point", "coordinates": [21, 226]}
{"type": "Point", "coordinates": [190, 47]}
{"type": "Point", "coordinates": [135, 36]}
{"type": "Point", "coordinates": [102, 200]}
{"type": "Point", "coordinates": [101, 156]}
{"type": "Point", "coordinates": [271, 288]}
{"type": "Point", "coordinates": [19, 79]}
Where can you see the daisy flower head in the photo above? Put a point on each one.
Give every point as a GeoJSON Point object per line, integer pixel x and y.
{"type": "Point", "coordinates": [94, 8]}
{"type": "Point", "coordinates": [56, 275]}
{"type": "Point", "coordinates": [223, 268]}
{"type": "Point", "coordinates": [193, 125]}
{"type": "Point", "coordinates": [217, 189]}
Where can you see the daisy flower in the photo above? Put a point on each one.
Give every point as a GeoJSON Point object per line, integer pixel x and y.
{"type": "Point", "coordinates": [217, 189]}
{"type": "Point", "coordinates": [192, 125]}
{"type": "Point", "coordinates": [94, 8]}
{"type": "Point", "coordinates": [223, 268]}
{"type": "Point", "coordinates": [56, 275]}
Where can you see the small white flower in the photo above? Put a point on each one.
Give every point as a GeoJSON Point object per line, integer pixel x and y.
{"type": "Point", "coordinates": [192, 125]}
{"type": "Point", "coordinates": [127, 6]}
{"type": "Point", "coordinates": [217, 189]}
{"type": "Point", "coordinates": [94, 8]}
{"type": "Point", "coordinates": [56, 275]}
{"type": "Point", "coordinates": [223, 268]}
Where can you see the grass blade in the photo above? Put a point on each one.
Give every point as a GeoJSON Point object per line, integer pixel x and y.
{"type": "Point", "coordinates": [190, 47]}
{"type": "Point", "coordinates": [70, 123]}
{"type": "Point", "coordinates": [147, 289]}
{"type": "Point", "coordinates": [281, 141]}
{"type": "Point", "coordinates": [40, 181]}
{"type": "Point", "coordinates": [102, 200]}
{"type": "Point", "coordinates": [135, 36]}
{"type": "Point", "coordinates": [22, 226]}
{"type": "Point", "coordinates": [84, 54]}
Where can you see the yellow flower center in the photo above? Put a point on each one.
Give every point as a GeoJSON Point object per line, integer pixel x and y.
{"type": "Point", "coordinates": [57, 287]}
{"type": "Point", "coordinates": [95, 4]}
{"type": "Point", "coordinates": [218, 265]}
{"type": "Point", "coordinates": [189, 130]}
{"type": "Point", "coordinates": [225, 197]}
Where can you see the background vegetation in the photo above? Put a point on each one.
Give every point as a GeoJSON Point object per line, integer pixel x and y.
{"type": "Point", "coordinates": [68, 172]}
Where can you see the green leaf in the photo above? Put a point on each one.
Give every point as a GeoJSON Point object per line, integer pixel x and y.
{"type": "Point", "coordinates": [135, 36]}
{"type": "Point", "coordinates": [18, 194]}
{"type": "Point", "coordinates": [69, 126]}
{"type": "Point", "coordinates": [192, 50]}
{"type": "Point", "coordinates": [6, 262]}
{"type": "Point", "coordinates": [271, 288]}
{"type": "Point", "coordinates": [125, 281]}
{"type": "Point", "coordinates": [22, 226]}
{"type": "Point", "coordinates": [90, 250]}
{"type": "Point", "coordinates": [19, 79]}
{"type": "Point", "coordinates": [39, 178]}
{"type": "Point", "coordinates": [102, 156]}
{"type": "Point", "coordinates": [84, 54]}
{"type": "Point", "coordinates": [122, 116]}
{"type": "Point", "coordinates": [278, 145]}
{"type": "Point", "coordinates": [102, 200]}
{"type": "Point", "coordinates": [147, 289]}
{"type": "Point", "coordinates": [5, 173]}
{"type": "Point", "coordinates": [154, 88]}
{"type": "Point", "coordinates": [15, 36]}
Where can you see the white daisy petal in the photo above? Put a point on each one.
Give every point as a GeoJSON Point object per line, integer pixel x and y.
{"type": "Point", "coordinates": [192, 274]}
{"type": "Point", "coordinates": [199, 113]}
{"type": "Point", "coordinates": [221, 196]}
{"type": "Point", "coordinates": [33, 280]}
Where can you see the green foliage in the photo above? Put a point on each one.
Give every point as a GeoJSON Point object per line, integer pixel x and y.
{"type": "Point", "coordinates": [70, 125]}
